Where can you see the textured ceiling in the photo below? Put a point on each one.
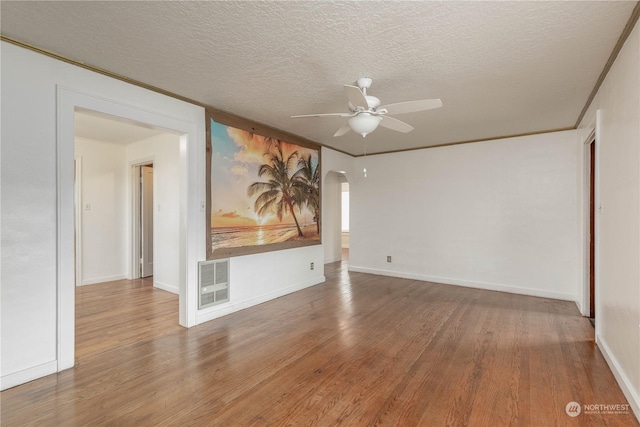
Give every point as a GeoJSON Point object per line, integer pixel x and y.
{"type": "Point", "coordinates": [500, 68]}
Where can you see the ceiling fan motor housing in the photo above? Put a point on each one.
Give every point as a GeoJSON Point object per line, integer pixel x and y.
{"type": "Point", "coordinates": [364, 82]}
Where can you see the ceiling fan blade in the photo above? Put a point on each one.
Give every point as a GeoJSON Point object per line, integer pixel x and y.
{"type": "Point", "coordinates": [324, 115]}
{"type": "Point", "coordinates": [355, 96]}
{"type": "Point", "coordinates": [344, 129]}
{"type": "Point", "coordinates": [395, 124]}
{"type": "Point", "coordinates": [412, 106]}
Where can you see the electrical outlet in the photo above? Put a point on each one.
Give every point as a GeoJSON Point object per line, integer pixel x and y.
{"type": "Point", "coordinates": [388, 258]}
{"type": "Point", "coordinates": [311, 266]}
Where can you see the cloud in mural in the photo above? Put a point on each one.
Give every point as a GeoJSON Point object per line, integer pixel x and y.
{"type": "Point", "coordinates": [252, 146]}
{"type": "Point", "coordinates": [233, 214]}
{"type": "Point", "coordinates": [239, 170]}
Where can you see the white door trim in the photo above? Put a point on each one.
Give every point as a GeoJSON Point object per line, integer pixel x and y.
{"type": "Point", "coordinates": [585, 221]}
{"type": "Point", "coordinates": [192, 153]}
{"type": "Point", "coordinates": [77, 195]}
{"type": "Point", "coordinates": [598, 212]}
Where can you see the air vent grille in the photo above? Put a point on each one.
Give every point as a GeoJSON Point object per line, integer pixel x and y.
{"type": "Point", "coordinates": [222, 272]}
{"type": "Point", "coordinates": [213, 282]}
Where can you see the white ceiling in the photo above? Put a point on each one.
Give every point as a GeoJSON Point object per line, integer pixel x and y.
{"type": "Point", "coordinates": [501, 68]}
{"type": "Point", "coordinates": [102, 127]}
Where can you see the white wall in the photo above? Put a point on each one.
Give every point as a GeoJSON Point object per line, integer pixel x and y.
{"type": "Point", "coordinates": [37, 274]}
{"type": "Point", "coordinates": [28, 228]}
{"type": "Point", "coordinates": [254, 279]}
{"type": "Point", "coordinates": [496, 215]}
{"type": "Point", "coordinates": [616, 109]}
{"type": "Point", "coordinates": [164, 149]}
{"type": "Point", "coordinates": [104, 240]}
{"type": "Point", "coordinates": [38, 96]}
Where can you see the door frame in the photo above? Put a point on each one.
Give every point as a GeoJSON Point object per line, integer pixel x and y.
{"type": "Point", "coordinates": [146, 220]}
{"type": "Point", "coordinates": [134, 235]}
{"type": "Point", "coordinates": [592, 227]}
{"type": "Point", "coordinates": [587, 144]}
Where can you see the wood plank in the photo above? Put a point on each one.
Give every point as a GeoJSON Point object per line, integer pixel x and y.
{"type": "Point", "coordinates": [356, 350]}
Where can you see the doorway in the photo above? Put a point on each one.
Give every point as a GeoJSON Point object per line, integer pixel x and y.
{"type": "Point", "coordinates": [143, 219]}
{"type": "Point", "coordinates": [109, 204]}
{"type": "Point", "coordinates": [103, 145]}
{"type": "Point", "coordinates": [333, 238]}
{"type": "Point", "coordinates": [344, 227]}
{"type": "Point", "coordinates": [175, 116]}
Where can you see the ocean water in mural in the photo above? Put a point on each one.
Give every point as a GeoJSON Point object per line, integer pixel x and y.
{"type": "Point", "coordinates": [263, 190]}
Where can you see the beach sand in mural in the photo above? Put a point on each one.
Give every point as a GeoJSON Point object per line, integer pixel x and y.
{"type": "Point", "coordinates": [235, 237]}
{"type": "Point", "coordinates": [310, 233]}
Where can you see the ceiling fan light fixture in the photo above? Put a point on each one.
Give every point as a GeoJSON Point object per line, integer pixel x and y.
{"type": "Point", "coordinates": [364, 123]}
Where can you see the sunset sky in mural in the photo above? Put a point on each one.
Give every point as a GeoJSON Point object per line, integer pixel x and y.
{"type": "Point", "coordinates": [237, 156]}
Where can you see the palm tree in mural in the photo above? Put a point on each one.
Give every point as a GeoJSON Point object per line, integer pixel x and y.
{"type": "Point", "coordinates": [307, 181]}
{"type": "Point", "coordinates": [278, 195]}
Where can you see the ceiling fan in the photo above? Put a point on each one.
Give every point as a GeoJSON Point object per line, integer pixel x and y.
{"type": "Point", "coordinates": [366, 113]}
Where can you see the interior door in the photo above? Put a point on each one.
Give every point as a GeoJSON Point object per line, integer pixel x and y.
{"type": "Point", "coordinates": [146, 221]}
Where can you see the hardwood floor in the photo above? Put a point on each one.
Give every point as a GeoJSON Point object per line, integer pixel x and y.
{"type": "Point", "coordinates": [357, 350]}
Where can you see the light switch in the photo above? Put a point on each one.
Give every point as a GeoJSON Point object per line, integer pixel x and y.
{"type": "Point", "coordinates": [87, 206]}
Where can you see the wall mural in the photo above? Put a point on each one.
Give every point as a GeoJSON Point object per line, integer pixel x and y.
{"type": "Point", "coordinates": [264, 192]}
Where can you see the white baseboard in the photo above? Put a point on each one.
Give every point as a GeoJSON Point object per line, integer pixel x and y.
{"type": "Point", "coordinates": [166, 287]}
{"type": "Point", "coordinates": [231, 307]}
{"type": "Point", "coordinates": [623, 381]}
{"type": "Point", "coordinates": [103, 279]}
{"type": "Point", "coordinates": [584, 311]}
{"type": "Point", "coordinates": [21, 377]}
{"type": "Point", "coordinates": [334, 259]}
{"type": "Point", "coordinates": [467, 283]}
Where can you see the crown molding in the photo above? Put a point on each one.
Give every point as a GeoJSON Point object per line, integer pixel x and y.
{"type": "Point", "coordinates": [631, 23]}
